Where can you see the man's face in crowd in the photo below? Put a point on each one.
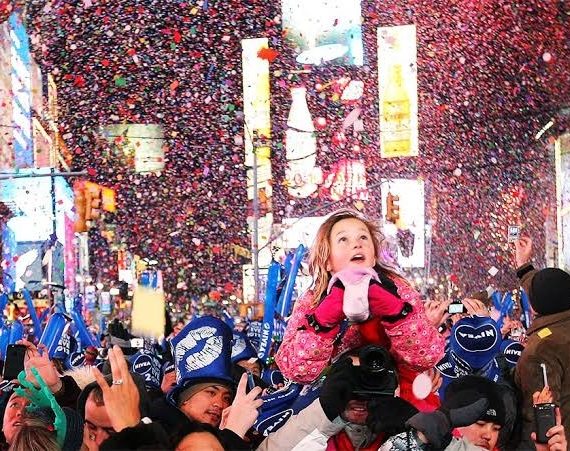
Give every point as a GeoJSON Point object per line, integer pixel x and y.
{"type": "Point", "coordinates": [13, 416]}
{"type": "Point", "coordinates": [483, 434]}
{"type": "Point", "coordinates": [356, 412]}
{"type": "Point", "coordinates": [207, 405]}
{"type": "Point", "coordinates": [97, 423]}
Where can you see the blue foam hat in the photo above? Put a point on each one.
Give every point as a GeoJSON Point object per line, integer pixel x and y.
{"type": "Point", "coordinates": [475, 340]}
{"type": "Point", "coordinates": [148, 366]}
{"type": "Point", "coordinates": [202, 353]}
{"type": "Point", "coordinates": [242, 348]}
{"type": "Point", "coordinates": [511, 351]}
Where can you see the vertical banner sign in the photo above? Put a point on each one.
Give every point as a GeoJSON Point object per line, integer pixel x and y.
{"type": "Point", "coordinates": [398, 86]}
{"type": "Point", "coordinates": [562, 158]}
{"type": "Point", "coordinates": [257, 136]}
{"type": "Point", "coordinates": [269, 312]}
{"type": "Point", "coordinates": [22, 93]}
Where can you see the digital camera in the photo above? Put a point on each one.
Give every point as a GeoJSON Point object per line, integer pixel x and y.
{"type": "Point", "coordinates": [376, 374]}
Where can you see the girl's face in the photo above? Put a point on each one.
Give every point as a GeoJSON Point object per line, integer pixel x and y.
{"type": "Point", "coordinates": [351, 246]}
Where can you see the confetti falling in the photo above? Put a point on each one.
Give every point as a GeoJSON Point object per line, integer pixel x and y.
{"type": "Point", "coordinates": [490, 75]}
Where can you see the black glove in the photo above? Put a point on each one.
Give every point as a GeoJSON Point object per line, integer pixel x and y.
{"type": "Point", "coordinates": [117, 330]}
{"type": "Point", "coordinates": [437, 426]}
{"type": "Point", "coordinates": [338, 387]}
{"type": "Point", "coordinates": [388, 415]}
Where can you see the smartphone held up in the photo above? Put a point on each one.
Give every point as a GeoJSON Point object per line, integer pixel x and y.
{"type": "Point", "coordinates": [14, 361]}
{"type": "Point", "coordinates": [544, 413]}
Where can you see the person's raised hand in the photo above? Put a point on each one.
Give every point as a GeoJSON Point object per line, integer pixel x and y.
{"type": "Point", "coordinates": [122, 397]}
{"type": "Point", "coordinates": [240, 416]}
{"type": "Point", "coordinates": [475, 307]}
{"type": "Point", "coordinates": [38, 358]}
{"type": "Point", "coordinates": [523, 251]}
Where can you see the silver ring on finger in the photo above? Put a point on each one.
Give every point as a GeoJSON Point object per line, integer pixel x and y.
{"type": "Point", "coordinates": [118, 382]}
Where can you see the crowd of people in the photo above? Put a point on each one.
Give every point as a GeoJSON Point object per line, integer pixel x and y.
{"type": "Point", "coordinates": [365, 363]}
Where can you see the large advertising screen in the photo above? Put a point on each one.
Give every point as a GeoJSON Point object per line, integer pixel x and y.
{"type": "Point", "coordinates": [324, 31]}
{"type": "Point", "coordinates": [143, 143]}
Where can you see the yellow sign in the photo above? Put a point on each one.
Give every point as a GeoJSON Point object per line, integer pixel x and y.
{"type": "Point", "coordinates": [108, 201]}
{"type": "Point", "coordinates": [398, 91]}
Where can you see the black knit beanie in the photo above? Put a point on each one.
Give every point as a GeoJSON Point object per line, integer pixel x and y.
{"type": "Point", "coordinates": [550, 291]}
{"type": "Point", "coordinates": [468, 389]}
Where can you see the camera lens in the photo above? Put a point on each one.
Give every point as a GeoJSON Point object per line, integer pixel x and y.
{"type": "Point", "coordinates": [375, 361]}
{"type": "Point", "coordinates": [376, 373]}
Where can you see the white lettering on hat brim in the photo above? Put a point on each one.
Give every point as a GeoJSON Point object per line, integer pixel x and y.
{"type": "Point", "coordinates": [482, 338]}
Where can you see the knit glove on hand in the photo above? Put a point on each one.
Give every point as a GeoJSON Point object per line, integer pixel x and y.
{"type": "Point", "coordinates": [356, 282]}
{"type": "Point", "coordinates": [437, 425]}
{"type": "Point", "coordinates": [337, 388]}
{"type": "Point", "coordinates": [329, 312]}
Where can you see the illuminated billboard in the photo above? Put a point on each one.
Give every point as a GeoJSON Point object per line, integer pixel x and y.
{"type": "Point", "coordinates": [31, 201]}
{"type": "Point", "coordinates": [405, 233]}
{"type": "Point", "coordinates": [562, 153]}
{"type": "Point", "coordinates": [143, 143]}
{"type": "Point", "coordinates": [21, 88]}
{"type": "Point", "coordinates": [398, 91]}
{"type": "Point", "coordinates": [346, 180]}
{"type": "Point", "coordinates": [324, 31]}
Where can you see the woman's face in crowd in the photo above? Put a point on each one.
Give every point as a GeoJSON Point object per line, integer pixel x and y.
{"type": "Point", "coordinates": [351, 246]}
{"type": "Point", "coordinates": [207, 405]}
{"type": "Point", "coordinates": [13, 416]}
{"type": "Point", "coordinates": [483, 434]}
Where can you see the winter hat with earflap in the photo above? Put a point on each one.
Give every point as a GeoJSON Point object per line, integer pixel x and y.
{"type": "Point", "coordinates": [549, 291]}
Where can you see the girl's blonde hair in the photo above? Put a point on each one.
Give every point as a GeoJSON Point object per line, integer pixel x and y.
{"type": "Point", "coordinates": [321, 249]}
